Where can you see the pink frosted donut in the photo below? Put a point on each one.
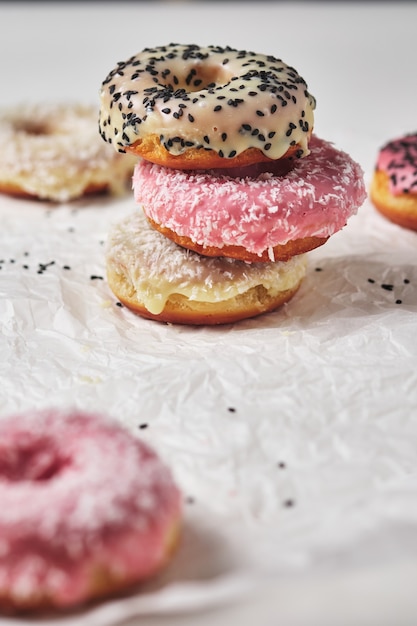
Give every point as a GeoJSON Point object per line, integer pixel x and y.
{"type": "Point", "coordinates": [393, 188]}
{"type": "Point", "coordinates": [258, 216]}
{"type": "Point", "coordinates": [86, 510]}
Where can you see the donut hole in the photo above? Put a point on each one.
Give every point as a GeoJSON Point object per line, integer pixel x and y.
{"type": "Point", "coordinates": [31, 461]}
{"type": "Point", "coordinates": [205, 77]}
{"type": "Point", "coordinates": [34, 128]}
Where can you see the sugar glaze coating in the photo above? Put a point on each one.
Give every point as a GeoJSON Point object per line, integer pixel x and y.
{"type": "Point", "coordinates": [215, 98]}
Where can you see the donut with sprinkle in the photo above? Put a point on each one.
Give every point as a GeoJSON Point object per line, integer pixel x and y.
{"type": "Point", "coordinates": [394, 184]}
{"type": "Point", "coordinates": [187, 106]}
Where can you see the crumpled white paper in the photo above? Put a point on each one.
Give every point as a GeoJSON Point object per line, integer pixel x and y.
{"type": "Point", "coordinates": [292, 435]}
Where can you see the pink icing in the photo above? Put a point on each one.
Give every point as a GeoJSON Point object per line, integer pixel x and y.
{"type": "Point", "coordinates": [315, 198]}
{"type": "Point", "coordinates": [398, 159]}
{"type": "Point", "coordinates": [78, 494]}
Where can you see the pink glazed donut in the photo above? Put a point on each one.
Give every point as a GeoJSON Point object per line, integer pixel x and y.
{"type": "Point", "coordinates": [394, 183]}
{"type": "Point", "coordinates": [258, 215]}
{"type": "Point", "coordinates": [87, 510]}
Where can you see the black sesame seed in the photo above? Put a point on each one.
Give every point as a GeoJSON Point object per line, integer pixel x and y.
{"type": "Point", "coordinates": [96, 277]}
{"type": "Point", "coordinates": [387, 287]}
{"type": "Point", "coordinates": [143, 426]}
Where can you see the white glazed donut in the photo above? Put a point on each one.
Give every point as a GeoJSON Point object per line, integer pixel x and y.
{"type": "Point", "coordinates": [54, 152]}
{"type": "Point", "coordinates": [188, 106]}
{"type": "Point", "coordinates": [160, 280]}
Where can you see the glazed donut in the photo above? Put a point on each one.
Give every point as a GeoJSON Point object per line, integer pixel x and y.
{"type": "Point", "coordinates": [253, 218]}
{"type": "Point", "coordinates": [159, 280]}
{"type": "Point", "coordinates": [188, 107]}
{"type": "Point", "coordinates": [54, 152]}
{"type": "Point", "coordinates": [86, 510]}
{"type": "Point", "coordinates": [394, 183]}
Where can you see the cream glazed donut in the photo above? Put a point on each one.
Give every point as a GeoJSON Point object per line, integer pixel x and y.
{"type": "Point", "coordinates": [160, 280]}
{"type": "Point", "coordinates": [53, 152]}
{"type": "Point", "coordinates": [86, 510]}
{"type": "Point", "coordinates": [258, 217]}
{"type": "Point", "coordinates": [394, 184]}
{"type": "Point", "coordinates": [188, 106]}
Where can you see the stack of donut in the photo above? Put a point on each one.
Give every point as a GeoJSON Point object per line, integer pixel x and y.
{"type": "Point", "coordinates": [232, 186]}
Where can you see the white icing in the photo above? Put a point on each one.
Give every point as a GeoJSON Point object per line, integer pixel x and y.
{"type": "Point", "coordinates": [157, 267]}
{"type": "Point", "coordinates": [172, 91]}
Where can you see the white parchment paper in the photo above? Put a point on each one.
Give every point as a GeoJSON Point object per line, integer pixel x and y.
{"type": "Point", "coordinates": [293, 435]}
